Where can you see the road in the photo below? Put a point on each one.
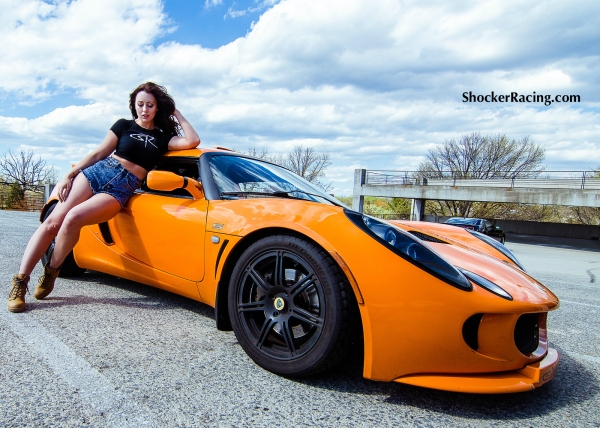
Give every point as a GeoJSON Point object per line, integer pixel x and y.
{"type": "Point", "coordinates": [107, 352]}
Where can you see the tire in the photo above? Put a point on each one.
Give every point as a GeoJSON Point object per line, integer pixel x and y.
{"type": "Point", "coordinates": [502, 239]}
{"type": "Point", "coordinates": [69, 266]}
{"type": "Point", "coordinates": [290, 306]}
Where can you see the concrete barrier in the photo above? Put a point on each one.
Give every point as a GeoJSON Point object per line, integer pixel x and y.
{"type": "Point", "coordinates": [563, 230]}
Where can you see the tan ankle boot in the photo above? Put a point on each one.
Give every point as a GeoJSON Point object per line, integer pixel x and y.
{"type": "Point", "coordinates": [16, 297]}
{"type": "Point", "coordinates": [46, 283]}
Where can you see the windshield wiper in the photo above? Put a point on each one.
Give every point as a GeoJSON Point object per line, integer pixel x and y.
{"type": "Point", "coordinates": [284, 194]}
{"type": "Point", "coordinates": [276, 194]}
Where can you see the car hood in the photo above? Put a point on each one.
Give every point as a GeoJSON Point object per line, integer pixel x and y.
{"type": "Point", "coordinates": [518, 284]}
{"type": "Point", "coordinates": [453, 235]}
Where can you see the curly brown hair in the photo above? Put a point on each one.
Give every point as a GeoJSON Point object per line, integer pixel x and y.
{"type": "Point", "coordinates": [165, 104]}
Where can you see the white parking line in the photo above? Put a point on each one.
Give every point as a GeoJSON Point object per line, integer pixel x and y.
{"type": "Point", "coordinates": [579, 303]}
{"type": "Point", "coordinates": [94, 389]}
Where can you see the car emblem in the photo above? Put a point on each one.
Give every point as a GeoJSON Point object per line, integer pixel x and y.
{"type": "Point", "coordinates": [217, 226]}
{"type": "Point", "coordinates": [279, 303]}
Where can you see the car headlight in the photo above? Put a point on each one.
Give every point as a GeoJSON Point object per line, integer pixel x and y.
{"type": "Point", "coordinates": [498, 246]}
{"type": "Point", "coordinates": [410, 249]}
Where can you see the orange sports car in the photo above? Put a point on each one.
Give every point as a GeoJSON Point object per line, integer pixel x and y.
{"type": "Point", "coordinates": [298, 276]}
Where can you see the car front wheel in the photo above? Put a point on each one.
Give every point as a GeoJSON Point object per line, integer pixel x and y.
{"type": "Point", "coordinates": [289, 306]}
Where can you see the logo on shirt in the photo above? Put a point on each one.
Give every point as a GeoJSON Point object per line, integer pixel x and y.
{"type": "Point", "coordinates": [146, 139]}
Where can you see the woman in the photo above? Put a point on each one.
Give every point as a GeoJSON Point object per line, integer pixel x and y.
{"type": "Point", "coordinates": [97, 187]}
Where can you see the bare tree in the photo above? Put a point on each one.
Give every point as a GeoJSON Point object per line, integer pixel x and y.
{"type": "Point", "coordinates": [483, 157]}
{"type": "Point", "coordinates": [24, 171]}
{"type": "Point", "coordinates": [257, 153]}
{"type": "Point", "coordinates": [477, 156]}
{"type": "Point", "coordinates": [304, 161]}
{"type": "Point", "coordinates": [586, 215]}
{"type": "Point", "coordinates": [309, 164]}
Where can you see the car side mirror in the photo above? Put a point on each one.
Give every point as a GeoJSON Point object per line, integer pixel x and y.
{"type": "Point", "coordinates": [166, 181]}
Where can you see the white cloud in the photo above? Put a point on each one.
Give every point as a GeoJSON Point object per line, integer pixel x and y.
{"type": "Point", "coordinates": [78, 44]}
{"type": "Point", "coordinates": [260, 5]}
{"type": "Point", "coordinates": [374, 83]}
{"type": "Point", "coordinates": [234, 13]}
{"type": "Point", "coordinates": [211, 3]}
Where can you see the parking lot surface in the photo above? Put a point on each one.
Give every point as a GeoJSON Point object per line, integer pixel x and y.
{"type": "Point", "coordinates": [106, 352]}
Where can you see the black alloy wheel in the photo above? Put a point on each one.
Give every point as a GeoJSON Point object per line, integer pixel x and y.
{"type": "Point", "coordinates": [69, 267]}
{"type": "Point", "coordinates": [289, 305]}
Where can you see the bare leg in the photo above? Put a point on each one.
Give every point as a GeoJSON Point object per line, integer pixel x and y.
{"type": "Point", "coordinates": [43, 236]}
{"type": "Point", "coordinates": [97, 209]}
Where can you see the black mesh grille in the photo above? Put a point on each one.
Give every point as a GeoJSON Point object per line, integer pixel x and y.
{"type": "Point", "coordinates": [527, 333]}
{"type": "Point", "coordinates": [424, 237]}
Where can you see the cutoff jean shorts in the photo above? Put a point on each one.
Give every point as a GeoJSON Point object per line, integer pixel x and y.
{"type": "Point", "coordinates": [109, 176]}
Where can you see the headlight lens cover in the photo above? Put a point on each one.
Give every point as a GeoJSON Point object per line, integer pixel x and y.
{"type": "Point", "coordinates": [498, 246]}
{"type": "Point", "coordinates": [410, 248]}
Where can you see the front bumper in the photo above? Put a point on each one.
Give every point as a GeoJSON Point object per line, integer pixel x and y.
{"type": "Point", "coordinates": [526, 379]}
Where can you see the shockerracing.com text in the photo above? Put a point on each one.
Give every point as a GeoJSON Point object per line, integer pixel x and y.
{"type": "Point", "coordinates": [515, 97]}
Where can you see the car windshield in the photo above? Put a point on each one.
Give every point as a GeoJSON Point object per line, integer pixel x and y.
{"type": "Point", "coordinates": [466, 221]}
{"type": "Point", "coordinates": [238, 177]}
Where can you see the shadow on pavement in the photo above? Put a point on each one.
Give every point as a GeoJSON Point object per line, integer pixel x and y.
{"type": "Point", "coordinates": [149, 297]}
{"type": "Point", "coordinates": [573, 384]}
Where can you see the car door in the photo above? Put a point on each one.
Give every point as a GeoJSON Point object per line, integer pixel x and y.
{"type": "Point", "coordinates": [490, 229]}
{"type": "Point", "coordinates": [165, 230]}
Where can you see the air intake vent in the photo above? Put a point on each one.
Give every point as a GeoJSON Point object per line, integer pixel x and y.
{"type": "Point", "coordinates": [424, 237]}
{"type": "Point", "coordinates": [527, 333]}
{"type": "Point", "coordinates": [106, 235]}
{"type": "Point", "coordinates": [471, 330]}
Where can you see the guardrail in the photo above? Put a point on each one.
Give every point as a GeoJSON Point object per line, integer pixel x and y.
{"type": "Point", "coordinates": [568, 188]}
{"type": "Point", "coordinates": [525, 179]}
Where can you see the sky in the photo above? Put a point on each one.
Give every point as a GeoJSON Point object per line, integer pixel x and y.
{"type": "Point", "coordinates": [374, 84]}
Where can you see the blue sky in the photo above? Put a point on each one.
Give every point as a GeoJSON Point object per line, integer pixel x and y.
{"type": "Point", "coordinates": [210, 25]}
{"type": "Point", "coordinates": [375, 84]}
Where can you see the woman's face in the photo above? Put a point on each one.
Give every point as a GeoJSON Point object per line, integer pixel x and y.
{"type": "Point", "coordinates": [145, 107]}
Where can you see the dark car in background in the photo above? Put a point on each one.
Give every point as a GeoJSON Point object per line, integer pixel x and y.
{"type": "Point", "coordinates": [478, 225]}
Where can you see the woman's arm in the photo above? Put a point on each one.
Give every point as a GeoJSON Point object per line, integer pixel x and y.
{"type": "Point", "coordinates": [106, 147]}
{"type": "Point", "coordinates": [190, 138]}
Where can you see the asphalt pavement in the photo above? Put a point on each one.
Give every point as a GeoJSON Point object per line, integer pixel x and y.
{"type": "Point", "coordinates": [106, 352]}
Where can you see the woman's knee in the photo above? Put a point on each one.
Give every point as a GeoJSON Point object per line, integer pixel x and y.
{"type": "Point", "coordinates": [52, 226]}
{"type": "Point", "coordinates": [73, 221]}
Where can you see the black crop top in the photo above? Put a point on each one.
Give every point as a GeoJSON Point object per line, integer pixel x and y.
{"type": "Point", "coordinates": [141, 146]}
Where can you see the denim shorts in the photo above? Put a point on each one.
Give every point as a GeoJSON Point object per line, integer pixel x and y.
{"type": "Point", "coordinates": [109, 176]}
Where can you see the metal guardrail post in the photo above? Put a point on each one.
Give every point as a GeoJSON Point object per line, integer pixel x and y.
{"type": "Point", "coordinates": [583, 181]}
{"type": "Point", "coordinates": [358, 200]}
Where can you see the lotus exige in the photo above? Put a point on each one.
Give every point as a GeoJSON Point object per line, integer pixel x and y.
{"type": "Point", "coordinates": [297, 276]}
